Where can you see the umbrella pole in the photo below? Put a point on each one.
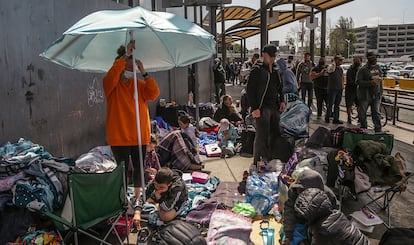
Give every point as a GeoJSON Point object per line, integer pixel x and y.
{"type": "Point", "coordinates": [141, 160]}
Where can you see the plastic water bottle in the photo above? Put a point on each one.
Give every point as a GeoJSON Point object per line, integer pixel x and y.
{"type": "Point", "coordinates": [276, 213]}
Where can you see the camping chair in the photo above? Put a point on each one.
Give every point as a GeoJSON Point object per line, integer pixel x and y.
{"type": "Point", "coordinates": [386, 193]}
{"type": "Point", "coordinates": [94, 198]}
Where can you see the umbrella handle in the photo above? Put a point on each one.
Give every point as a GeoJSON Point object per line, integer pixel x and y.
{"type": "Point", "coordinates": [131, 36]}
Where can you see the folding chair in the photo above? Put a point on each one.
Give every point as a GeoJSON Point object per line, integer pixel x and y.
{"type": "Point", "coordinates": [387, 194]}
{"type": "Point", "coordinates": [94, 198]}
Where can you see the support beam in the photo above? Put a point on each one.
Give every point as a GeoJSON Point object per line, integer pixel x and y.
{"type": "Point", "coordinates": [213, 23]}
{"type": "Point", "coordinates": [323, 33]}
{"type": "Point", "coordinates": [223, 37]}
{"type": "Point", "coordinates": [312, 37]}
{"type": "Point", "coordinates": [263, 24]}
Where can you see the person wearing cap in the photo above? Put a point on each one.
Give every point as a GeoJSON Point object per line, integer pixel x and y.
{"type": "Point", "coordinates": [335, 88]}
{"type": "Point", "coordinates": [121, 125]}
{"type": "Point", "coordinates": [265, 96]}
{"type": "Point", "coordinates": [305, 83]}
{"type": "Point", "coordinates": [369, 91]}
{"type": "Point", "coordinates": [219, 79]}
{"type": "Point", "coordinates": [351, 87]}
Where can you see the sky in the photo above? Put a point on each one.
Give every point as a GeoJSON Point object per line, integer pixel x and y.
{"type": "Point", "coordinates": [363, 12]}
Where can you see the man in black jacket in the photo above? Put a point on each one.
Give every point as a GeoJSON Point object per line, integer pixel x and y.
{"type": "Point", "coordinates": [265, 96]}
{"type": "Point", "coordinates": [219, 79]}
{"type": "Point", "coordinates": [351, 87]}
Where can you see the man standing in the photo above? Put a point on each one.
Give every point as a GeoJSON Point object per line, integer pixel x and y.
{"type": "Point", "coordinates": [219, 79]}
{"type": "Point", "coordinates": [264, 91]}
{"type": "Point", "coordinates": [351, 87]}
{"type": "Point", "coordinates": [335, 87]}
{"type": "Point", "coordinates": [303, 72]}
{"type": "Point", "coordinates": [369, 91]}
{"type": "Point", "coordinates": [319, 75]}
{"type": "Point", "coordinates": [247, 67]}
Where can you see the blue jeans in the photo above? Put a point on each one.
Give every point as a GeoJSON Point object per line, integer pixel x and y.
{"type": "Point", "coordinates": [374, 102]}
{"type": "Point", "coordinates": [334, 99]}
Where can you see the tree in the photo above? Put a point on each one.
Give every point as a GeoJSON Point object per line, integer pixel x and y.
{"type": "Point", "coordinates": [342, 31]}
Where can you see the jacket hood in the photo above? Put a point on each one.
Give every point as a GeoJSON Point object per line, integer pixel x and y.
{"type": "Point", "coordinates": [313, 204]}
{"type": "Point", "coordinates": [282, 64]}
{"type": "Point", "coordinates": [309, 178]}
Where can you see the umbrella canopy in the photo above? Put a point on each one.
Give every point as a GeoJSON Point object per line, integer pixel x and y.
{"type": "Point", "coordinates": [163, 40]}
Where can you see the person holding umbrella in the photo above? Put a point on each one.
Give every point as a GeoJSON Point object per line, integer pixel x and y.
{"type": "Point", "coordinates": [121, 126]}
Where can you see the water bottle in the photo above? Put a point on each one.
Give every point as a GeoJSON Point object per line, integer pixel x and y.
{"type": "Point", "coordinates": [276, 213]}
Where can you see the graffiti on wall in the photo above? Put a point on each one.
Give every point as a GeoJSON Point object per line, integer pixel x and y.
{"type": "Point", "coordinates": [95, 93]}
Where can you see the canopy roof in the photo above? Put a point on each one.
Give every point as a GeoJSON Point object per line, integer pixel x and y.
{"type": "Point", "coordinates": [249, 24]}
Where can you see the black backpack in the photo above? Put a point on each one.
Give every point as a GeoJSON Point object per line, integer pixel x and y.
{"type": "Point", "coordinates": [178, 232]}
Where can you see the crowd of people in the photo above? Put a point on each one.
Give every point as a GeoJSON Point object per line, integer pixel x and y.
{"type": "Point", "coordinates": [267, 81]}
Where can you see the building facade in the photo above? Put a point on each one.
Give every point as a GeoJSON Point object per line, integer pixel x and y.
{"type": "Point", "coordinates": [385, 40]}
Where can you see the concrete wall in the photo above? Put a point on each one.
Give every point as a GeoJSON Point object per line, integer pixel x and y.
{"type": "Point", "coordinates": [61, 109]}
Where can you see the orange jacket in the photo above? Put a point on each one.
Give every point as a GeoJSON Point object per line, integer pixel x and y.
{"type": "Point", "coordinates": [121, 127]}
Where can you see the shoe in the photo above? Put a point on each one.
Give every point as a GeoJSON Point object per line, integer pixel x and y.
{"type": "Point", "coordinates": [338, 122]}
{"type": "Point", "coordinates": [327, 120]}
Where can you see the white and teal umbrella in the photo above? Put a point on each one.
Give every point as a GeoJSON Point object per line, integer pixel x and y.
{"type": "Point", "coordinates": [162, 41]}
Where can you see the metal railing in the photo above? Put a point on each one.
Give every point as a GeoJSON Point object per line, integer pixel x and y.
{"type": "Point", "coordinates": [401, 99]}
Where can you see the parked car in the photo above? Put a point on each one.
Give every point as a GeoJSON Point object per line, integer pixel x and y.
{"type": "Point", "coordinates": [405, 72]}
{"type": "Point", "coordinates": [411, 74]}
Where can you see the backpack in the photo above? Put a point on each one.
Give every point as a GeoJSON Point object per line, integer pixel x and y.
{"type": "Point", "coordinates": [178, 232]}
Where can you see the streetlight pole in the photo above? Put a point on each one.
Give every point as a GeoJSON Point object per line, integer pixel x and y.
{"type": "Point", "coordinates": [348, 42]}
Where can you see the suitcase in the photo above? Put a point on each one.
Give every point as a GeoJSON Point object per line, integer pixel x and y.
{"type": "Point", "coordinates": [213, 150]}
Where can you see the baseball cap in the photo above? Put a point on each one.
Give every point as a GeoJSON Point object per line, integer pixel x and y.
{"type": "Point", "coordinates": [270, 50]}
{"type": "Point", "coordinates": [338, 57]}
{"type": "Point", "coordinates": [371, 54]}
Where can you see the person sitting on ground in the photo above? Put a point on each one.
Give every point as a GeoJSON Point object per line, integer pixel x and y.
{"type": "Point", "coordinates": [288, 78]}
{"type": "Point", "coordinates": [308, 178]}
{"type": "Point", "coordinates": [152, 163]}
{"type": "Point", "coordinates": [188, 129]}
{"type": "Point", "coordinates": [167, 192]}
{"type": "Point", "coordinates": [227, 110]}
{"type": "Point", "coordinates": [227, 136]}
{"type": "Point", "coordinates": [327, 224]}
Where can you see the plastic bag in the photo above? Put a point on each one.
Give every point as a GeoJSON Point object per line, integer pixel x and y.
{"type": "Point", "coordinates": [245, 209]}
{"type": "Point", "coordinates": [294, 120]}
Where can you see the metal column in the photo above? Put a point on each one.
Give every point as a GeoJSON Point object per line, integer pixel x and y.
{"type": "Point", "coordinates": [263, 24]}
{"type": "Point", "coordinates": [312, 38]}
{"type": "Point", "coordinates": [223, 38]}
{"type": "Point", "coordinates": [323, 33]}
